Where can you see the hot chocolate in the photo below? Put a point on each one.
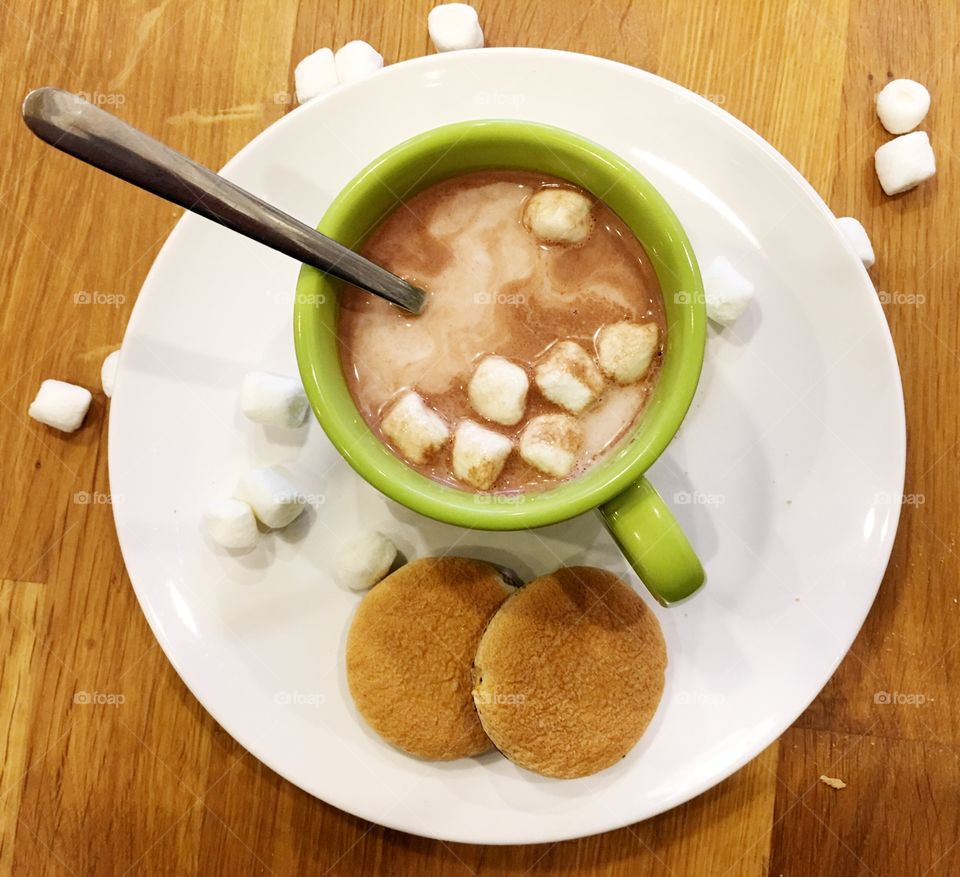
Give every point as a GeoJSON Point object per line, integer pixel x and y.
{"type": "Point", "coordinates": [536, 283]}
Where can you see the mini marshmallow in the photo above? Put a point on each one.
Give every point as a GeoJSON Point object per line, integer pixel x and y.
{"type": "Point", "coordinates": [357, 59]}
{"type": "Point", "coordinates": [625, 350]}
{"type": "Point", "coordinates": [315, 75]}
{"type": "Point", "coordinates": [905, 162]}
{"type": "Point", "coordinates": [479, 454]}
{"type": "Point", "coordinates": [230, 523]}
{"type": "Point", "coordinates": [902, 105]}
{"type": "Point", "coordinates": [108, 373]}
{"type": "Point", "coordinates": [568, 376]}
{"type": "Point", "coordinates": [416, 430]}
{"type": "Point", "coordinates": [274, 498]}
{"type": "Point", "coordinates": [727, 292]}
{"type": "Point", "coordinates": [550, 443]}
{"type": "Point", "coordinates": [498, 390]}
{"type": "Point", "coordinates": [60, 405]}
{"type": "Point", "coordinates": [558, 216]}
{"type": "Point", "coordinates": [854, 232]}
{"type": "Point", "coordinates": [364, 561]}
{"type": "Point", "coordinates": [273, 400]}
{"type": "Point", "coordinates": [454, 26]}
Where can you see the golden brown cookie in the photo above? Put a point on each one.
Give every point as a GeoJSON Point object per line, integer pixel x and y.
{"type": "Point", "coordinates": [569, 672]}
{"type": "Point", "coordinates": [410, 654]}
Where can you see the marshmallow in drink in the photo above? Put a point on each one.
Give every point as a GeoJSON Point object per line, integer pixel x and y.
{"type": "Point", "coordinates": [498, 390]}
{"type": "Point", "coordinates": [275, 499]}
{"type": "Point", "coordinates": [315, 75]}
{"type": "Point", "coordinates": [417, 431]}
{"type": "Point", "coordinates": [108, 373]}
{"type": "Point", "coordinates": [365, 560]}
{"type": "Point", "coordinates": [625, 350]}
{"type": "Point", "coordinates": [854, 232]}
{"type": "Point", "coordinates": [454, 26]}
{"type": "Point", "coordinates": [357, 59]}
{"type": "Point", "coordinates": [230, 523]}
{"type": "Point", "coordinates": [479, 454]}
{"type": "Point", "coordinates": [902, 105]}
{"type": "Point", "coordinates": [550, 443]}
{"type": "Point", "coordinates": [568, 376]}
{"type": "Point", "coordinates": [558, 216]}
{"type": "Point", "coordinates": [727, 292]}
{"type": "Point", "coordinates": [60, 405]}
{"type": "Point", "coordinates": [273, 400]}
{"type": "Point", "coordinates": [905, 162]}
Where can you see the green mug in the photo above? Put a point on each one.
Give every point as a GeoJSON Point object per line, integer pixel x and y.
{"type": "Point", "coordinates": [635, 515]}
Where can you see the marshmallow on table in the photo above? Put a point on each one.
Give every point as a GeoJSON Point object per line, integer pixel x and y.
{"type": "Point", "coordinates": [416, 430]}
{"type": "Point", "coordinates": [568, 376]}
{"type": "Point", "coordinates": [558, 216]}
{"type": "Point", "coordinates": [357, 59]}
{"type": "Point", "coordinates": [727, 292]}
{"type": "Point", "coordinates": [550, 443]}
{"type": "Point", "coordinates": [454, 26]}
{"type": "Point", "coordinates": [108, 373]}
{"type": "Point", "coordinates": [275, 499]}
{"type": "Point", "coordinates": [60, 405]}
{"type": "Point", "coordinates": [858, 237]}
{"type": "Point", "coordinates": [905, 162]}
{"type": "Point", "coordinates": [273, 400]}
{"type": "Point", "coordinates": [902, 105]}
{"type": "Point", "coordinates": [315, 75]}
{"type": "Point", "coordinates": [498, 390]}
{"type": "Point", "coordinates": [479, 454]}
{"type": "Point", "coordinates": [230, 523]}
{"type": "Point", "coordinates": [364, 561]}
{"type": "Point", "coordinates": [626, 349]}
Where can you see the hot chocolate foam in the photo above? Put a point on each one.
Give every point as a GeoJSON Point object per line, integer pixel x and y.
{"type": "Point", "coordinates": [493, 289]}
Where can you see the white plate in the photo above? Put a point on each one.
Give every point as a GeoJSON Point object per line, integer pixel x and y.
{"type": "Point", "coordinates": [786, 475]}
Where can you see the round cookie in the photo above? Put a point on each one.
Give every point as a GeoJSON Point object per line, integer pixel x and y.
{"type": "Point", "coordinates": [569, 672]}
{"type": "Point", "coordinates": [410, 654]}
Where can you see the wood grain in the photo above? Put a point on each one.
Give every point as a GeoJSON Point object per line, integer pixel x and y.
{"type": "Point", "coordinates": [109, 766]}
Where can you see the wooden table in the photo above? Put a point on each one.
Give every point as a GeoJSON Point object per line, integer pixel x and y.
{"type": "Point", "coordinates": [151, 785]}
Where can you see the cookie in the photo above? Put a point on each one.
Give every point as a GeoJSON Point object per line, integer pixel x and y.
{"type": "Point", "coordinates": [410, 653]}
{"type": "Point", "coordinates": [569, 672]}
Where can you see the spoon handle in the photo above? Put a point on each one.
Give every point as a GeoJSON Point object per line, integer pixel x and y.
{"type": "Point", "coordinates": [77, 127]}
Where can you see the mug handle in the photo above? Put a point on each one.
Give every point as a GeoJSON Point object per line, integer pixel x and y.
{"type": "Point", "coordinates": [651, 540]}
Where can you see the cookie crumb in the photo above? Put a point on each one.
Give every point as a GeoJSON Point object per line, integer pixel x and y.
{"type": "Point", "coordinates": [833, 782]}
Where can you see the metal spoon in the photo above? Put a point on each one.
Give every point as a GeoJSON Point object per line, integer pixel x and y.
{"type": "Point", "coordinates": [75, 126]}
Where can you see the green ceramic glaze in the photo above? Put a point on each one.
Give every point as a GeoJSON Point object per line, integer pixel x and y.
{"type": "Point", "coordinates": [648, 534]}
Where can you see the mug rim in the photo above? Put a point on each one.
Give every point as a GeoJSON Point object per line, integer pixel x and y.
{"type": "Point", "coordinates": [668, 247]}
